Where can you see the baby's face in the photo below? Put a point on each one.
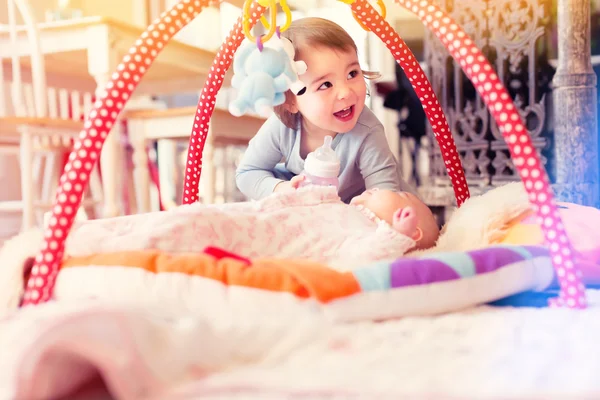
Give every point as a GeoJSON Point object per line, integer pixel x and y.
{"type": "Point", "coordinates": [384, 203]}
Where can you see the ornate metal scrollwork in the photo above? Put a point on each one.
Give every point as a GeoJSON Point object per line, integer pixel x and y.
{"type": "Point", "coordinates": [508, 32]}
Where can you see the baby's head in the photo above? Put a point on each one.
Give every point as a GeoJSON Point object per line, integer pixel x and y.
{"type": "Point", "coordinates": [335, 89]}
{"type": "Point", "coordinates": [392, 207]}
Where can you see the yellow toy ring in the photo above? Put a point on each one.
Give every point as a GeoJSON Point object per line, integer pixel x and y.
{"type": "Point", "coordinates": [272, 5]}
{"type": "Point", "coordinates": [288, 16]}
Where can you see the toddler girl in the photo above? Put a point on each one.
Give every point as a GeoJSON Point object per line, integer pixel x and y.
{"type": "Point", "coordinates": [331, 104]}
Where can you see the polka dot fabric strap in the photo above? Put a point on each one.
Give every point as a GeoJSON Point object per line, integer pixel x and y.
{"type": "Point", "coordinates": [206, 103]}
{"type": "Point", "coordinates": [87, 148]}
{"type": "Point", "coordinates": [406, 59]}
{"type": "Point", "coordinates": [524, 155]}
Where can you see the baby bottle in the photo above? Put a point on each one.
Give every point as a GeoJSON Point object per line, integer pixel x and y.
{"type": "Point", "coordinates": [322, 166]}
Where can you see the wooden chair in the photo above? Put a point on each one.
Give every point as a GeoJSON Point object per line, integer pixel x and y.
{"type": "Point", "coordinates": [168, 125]}
{"type": "Point", "coordinates": [41, 124]}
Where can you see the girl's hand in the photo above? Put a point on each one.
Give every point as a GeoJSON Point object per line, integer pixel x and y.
{"type": "Point", "coordinates": [290, 185]}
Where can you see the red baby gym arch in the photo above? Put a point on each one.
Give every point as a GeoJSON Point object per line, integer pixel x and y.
{"type": "Point", "coordinates": [134, 65]}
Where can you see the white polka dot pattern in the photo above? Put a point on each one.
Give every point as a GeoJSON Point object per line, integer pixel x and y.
{"type": "Point", "coordinates": [87, 148]}
{"type": "Point", "coordinates": [406, 59]}
{"type": "Point", "coordinates": [524, 155]}
{"type": "Point", "coordinates": [206, 103]}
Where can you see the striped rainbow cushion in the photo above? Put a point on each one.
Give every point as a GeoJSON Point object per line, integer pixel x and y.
{"type": "Point", "coordinates": [430, 284]}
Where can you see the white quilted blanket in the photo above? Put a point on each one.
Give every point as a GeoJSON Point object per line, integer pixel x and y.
{"type": "Point", "coordinates": [483, 353]}
{"type": "Point", "coordinates": [312, 223]}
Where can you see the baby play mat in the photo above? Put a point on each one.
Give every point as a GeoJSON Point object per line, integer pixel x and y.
{"type": "Point", "coordinates": [158, 324]}
{"type": "Point", "coordinates": [41, 284]}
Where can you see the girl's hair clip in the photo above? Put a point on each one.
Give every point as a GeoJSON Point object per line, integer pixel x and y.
{"type": "Point", "coordinates": [299, 67]}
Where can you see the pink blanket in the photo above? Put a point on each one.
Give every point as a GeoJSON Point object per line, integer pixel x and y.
{"type": "Point", "coordinates": [312, 224]}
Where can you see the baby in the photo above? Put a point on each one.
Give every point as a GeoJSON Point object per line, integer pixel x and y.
{"type": "Point", "coordinates": [311, 223]}
{"type": "Point", "coordinates": [403, 211]}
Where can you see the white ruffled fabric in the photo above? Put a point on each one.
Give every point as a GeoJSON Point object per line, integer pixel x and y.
{"type": "Point", "coordinates": [158, 353]}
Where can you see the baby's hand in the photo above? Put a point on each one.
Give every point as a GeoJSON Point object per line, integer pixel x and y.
{"type": "Point", "coordinates": [405, 221]}
{"type": "Point", "coordinates": [290, 185]}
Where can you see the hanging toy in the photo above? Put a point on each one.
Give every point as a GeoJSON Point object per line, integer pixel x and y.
{"type": "Point", "coordinates": [299, 67]}
{"type": "Point", "coordinates": [264, 69]}
{"type": "Point", "coordinates": [262, 75]}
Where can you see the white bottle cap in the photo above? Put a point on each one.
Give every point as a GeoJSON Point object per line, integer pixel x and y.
{"type": "Point", "coordinates": [323, 162]}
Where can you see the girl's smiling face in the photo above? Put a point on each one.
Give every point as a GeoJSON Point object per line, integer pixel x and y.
{"type": "Point", "coordinates": [335, 91]}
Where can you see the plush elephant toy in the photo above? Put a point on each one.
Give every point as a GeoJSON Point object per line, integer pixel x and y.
{"type": "Point", "coordinates": [262, 77]}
